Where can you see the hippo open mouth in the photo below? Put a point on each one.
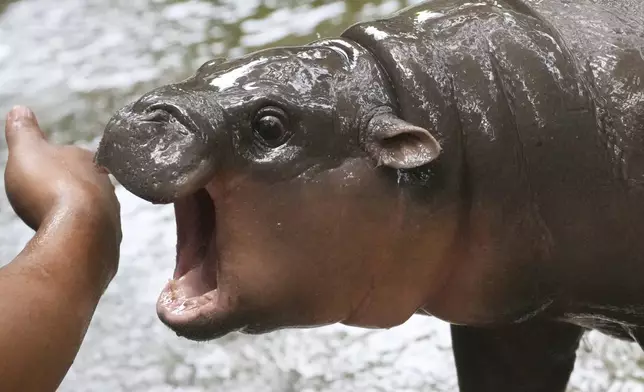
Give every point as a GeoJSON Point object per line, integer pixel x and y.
{"type": "Point", "coordinates": [193, 289]}
{"type": "Point", "coordinates": [191, 297]}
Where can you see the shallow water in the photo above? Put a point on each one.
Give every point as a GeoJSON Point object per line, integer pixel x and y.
{"type": "Point", "coordinates": [75, 62]}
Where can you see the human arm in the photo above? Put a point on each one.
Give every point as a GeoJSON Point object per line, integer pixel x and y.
{"type": "Point", "coordinates": [49, 292]}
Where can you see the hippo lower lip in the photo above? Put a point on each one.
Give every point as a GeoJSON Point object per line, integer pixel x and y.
{"type": "Point", "coordinates": [190, 299]}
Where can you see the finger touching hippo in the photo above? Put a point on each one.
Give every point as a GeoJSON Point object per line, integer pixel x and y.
{"type": "Point", "coordinates": [471, 161]}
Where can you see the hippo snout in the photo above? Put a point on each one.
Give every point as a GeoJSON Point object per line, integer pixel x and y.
{"type": "Point", "coordinates": [160, 147]}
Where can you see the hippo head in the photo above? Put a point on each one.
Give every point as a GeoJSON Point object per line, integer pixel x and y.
{"type": "Point", "coordinates": [279, 165]}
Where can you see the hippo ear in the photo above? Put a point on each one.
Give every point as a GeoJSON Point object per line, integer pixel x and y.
{"type": "Point", "coordinates": [395, 143]}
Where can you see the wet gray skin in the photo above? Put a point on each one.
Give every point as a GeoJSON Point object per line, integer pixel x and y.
{"type": "Point", "coordinates": [479, 162]}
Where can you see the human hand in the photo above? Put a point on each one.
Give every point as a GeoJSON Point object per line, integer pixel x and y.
{"type": "Point", "coordinates": [50, 183]}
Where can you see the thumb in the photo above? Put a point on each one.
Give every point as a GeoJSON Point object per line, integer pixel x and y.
{"type": "Point", "coordinates": [22, 126]}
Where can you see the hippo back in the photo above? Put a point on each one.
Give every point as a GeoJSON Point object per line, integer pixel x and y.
{"type": "Point", "coordinates": [606, 37]}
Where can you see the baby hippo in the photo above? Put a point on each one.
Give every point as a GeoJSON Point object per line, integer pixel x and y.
{"type": "Point", "coordinates": [479, 162]}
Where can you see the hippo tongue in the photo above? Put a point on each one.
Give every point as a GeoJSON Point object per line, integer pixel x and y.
{"type": "Point", "coordinates": [194, 283]}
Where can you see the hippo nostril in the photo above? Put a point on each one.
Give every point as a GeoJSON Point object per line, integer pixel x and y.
{"type": "Point", "coordinates": [159, 115]}
{"type": "Point", "coordinates": [171, 110]}
{"type": "Point", "coordinates": [167, 113]}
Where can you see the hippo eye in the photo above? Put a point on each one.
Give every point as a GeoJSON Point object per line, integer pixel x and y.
{"type": "Point", "coordinates": [270, 126]}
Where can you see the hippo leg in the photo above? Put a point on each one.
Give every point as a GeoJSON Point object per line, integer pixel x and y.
{"type": "Point", "coordinates": [536, 356]}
